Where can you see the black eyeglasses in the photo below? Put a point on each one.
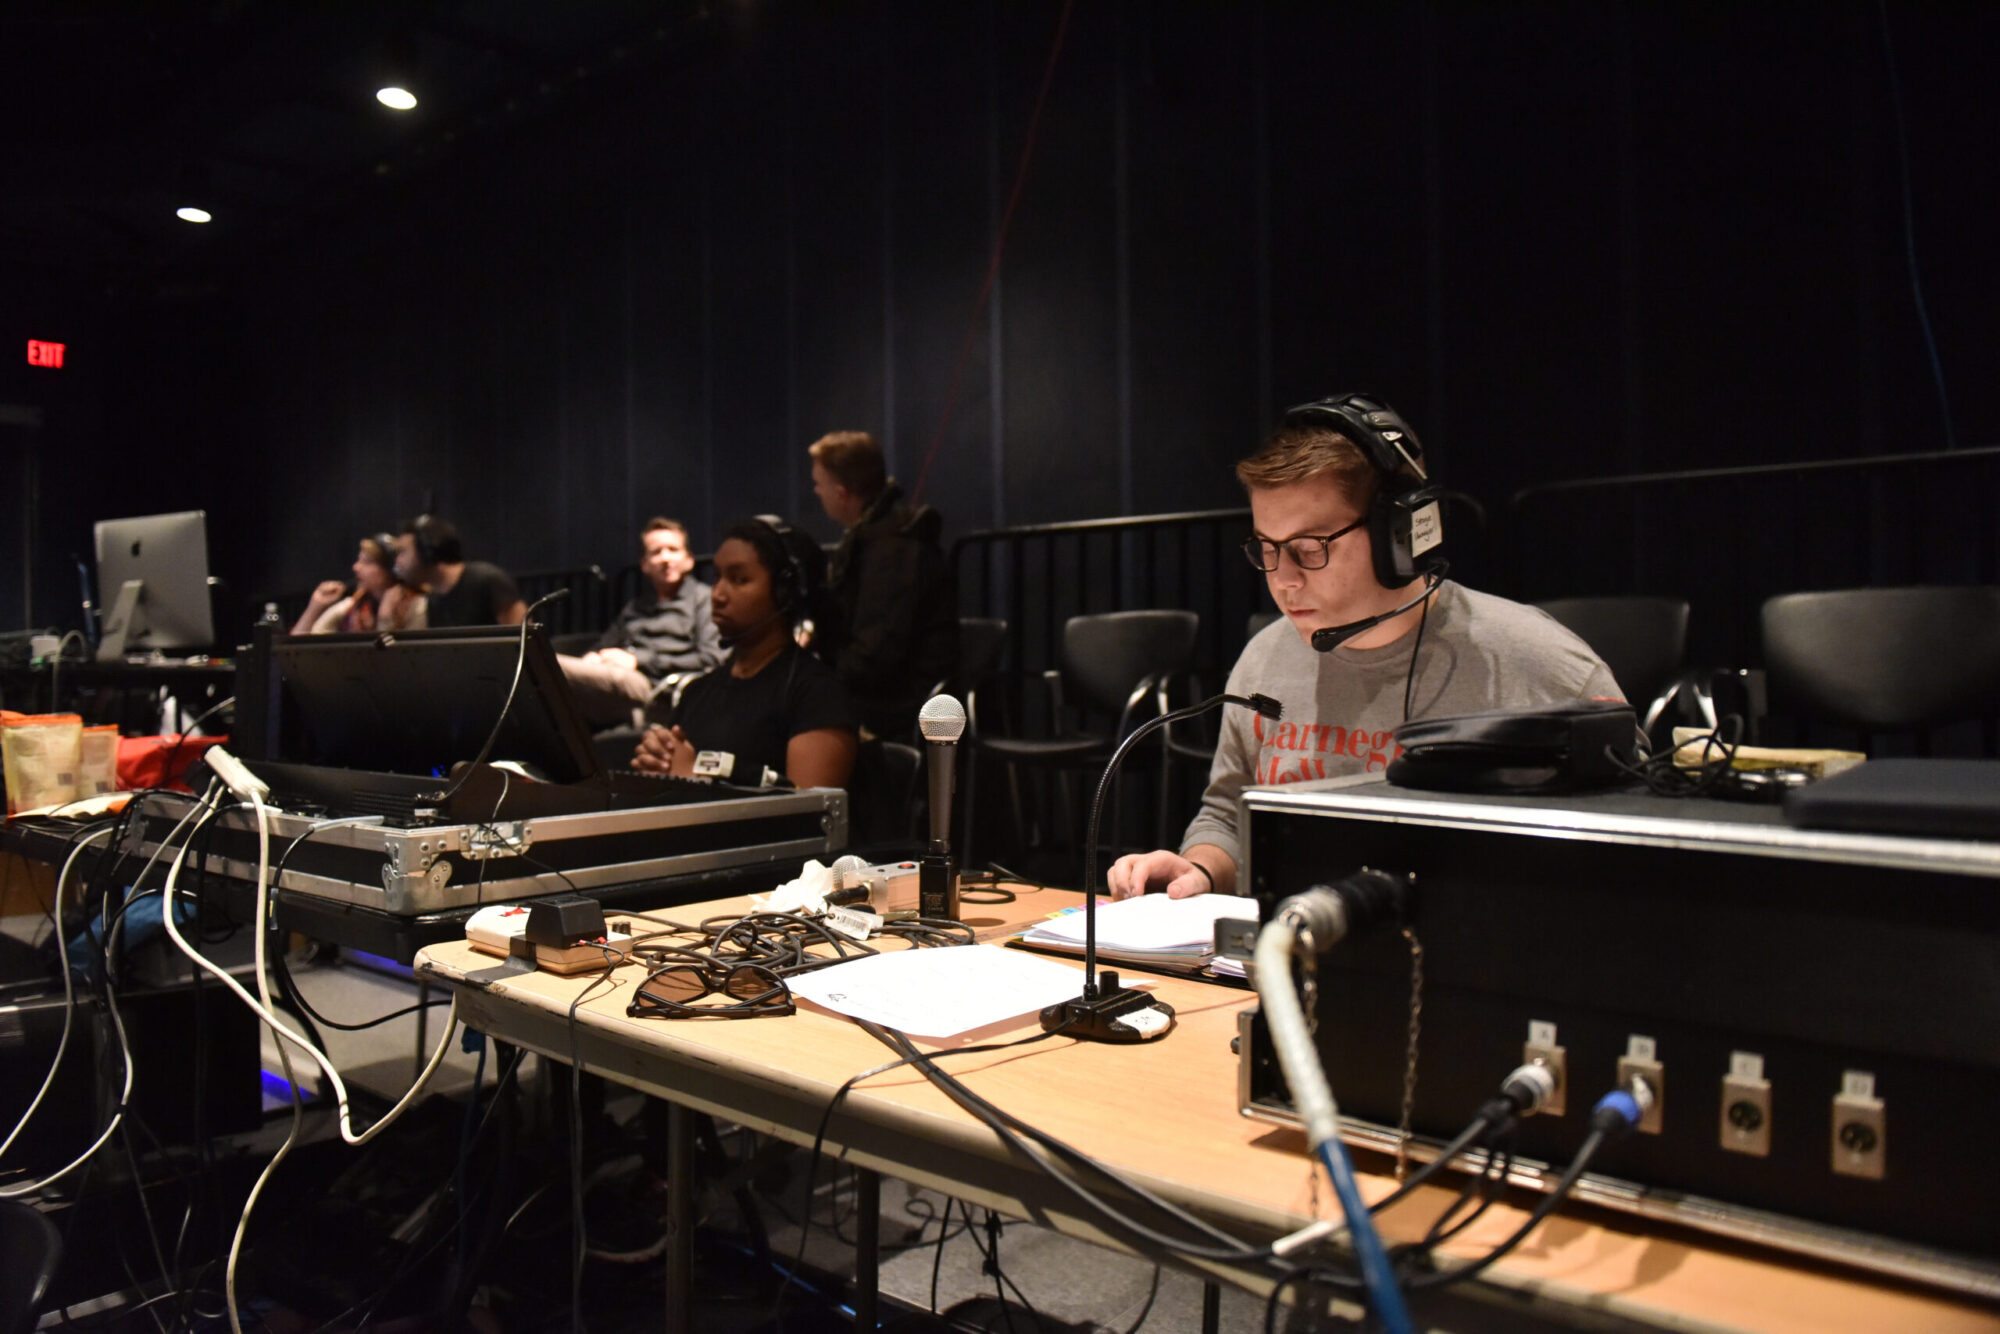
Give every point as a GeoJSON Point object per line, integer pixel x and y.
{"type": "Point", "coordinates": [1308, 552]}
{"type": "Point", "coordinates": [710, 990]}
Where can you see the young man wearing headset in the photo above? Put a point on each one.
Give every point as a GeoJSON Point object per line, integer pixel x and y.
{"type": "Point", "coordinates": [1345, 527]}
{"type": "Point", "coordinates": [430, 556]}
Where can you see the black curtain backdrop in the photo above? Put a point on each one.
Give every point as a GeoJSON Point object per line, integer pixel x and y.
{"type": "Point", "coordinates": [1565, 239]}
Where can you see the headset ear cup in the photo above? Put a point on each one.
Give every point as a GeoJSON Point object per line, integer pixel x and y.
{"type": "Point", "coordinates": [1402, 514]}
{"type": "Point", "coordinates": [1388, 534]}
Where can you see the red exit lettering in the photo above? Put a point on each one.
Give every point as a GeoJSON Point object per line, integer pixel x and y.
{"type": "Point", "coordinates": [45, 354]}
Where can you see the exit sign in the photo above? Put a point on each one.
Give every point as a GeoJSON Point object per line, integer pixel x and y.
{"type": "Point", "coordinates": [45, 354]}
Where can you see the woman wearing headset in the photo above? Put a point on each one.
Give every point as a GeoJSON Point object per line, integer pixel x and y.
{"type": "Point", "coordinates": [380, 600]}
{"type": "Point", "coordinates": [772, 710]}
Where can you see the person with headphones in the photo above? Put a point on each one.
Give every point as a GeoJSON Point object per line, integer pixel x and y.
{"type": "Point", "coordinates": [772, 710]}
{"type": "Point", "coordinates": [461, 592]}
{"type": "Point", "coordinates": [1347, 531]}
{"type": "Point", "coordinates": [380, 600]}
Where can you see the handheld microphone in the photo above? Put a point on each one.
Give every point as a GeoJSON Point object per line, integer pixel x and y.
{"type": "Point", "coordinates": [942, 722]}
{"type": "Point", "coordinates": [1333, 636]}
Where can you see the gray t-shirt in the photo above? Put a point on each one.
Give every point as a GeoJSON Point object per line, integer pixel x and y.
{"type": "Point", "coordinates": [1342, 708]}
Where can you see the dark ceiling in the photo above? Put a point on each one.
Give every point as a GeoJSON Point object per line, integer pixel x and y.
{"type": "Point", "coordinates": [264, 113]}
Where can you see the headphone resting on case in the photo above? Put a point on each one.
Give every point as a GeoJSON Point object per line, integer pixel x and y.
{"type": "Point", "coordinates": [1405, 526]}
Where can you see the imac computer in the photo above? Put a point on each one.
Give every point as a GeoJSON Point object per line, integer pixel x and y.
{"type": "Point", "coordinates": [152, 573]}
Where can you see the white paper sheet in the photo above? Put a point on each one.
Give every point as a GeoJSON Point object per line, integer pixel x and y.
{"type": "Point", "coordinates": [939, 993]}
{"type": "Point", "coordinates": [1151, 922]}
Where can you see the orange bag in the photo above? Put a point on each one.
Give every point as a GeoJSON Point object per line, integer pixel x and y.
{"type": "Point", "coordinates": [159, 761]}
{"type": "Point", "coordinates": [41, 754]}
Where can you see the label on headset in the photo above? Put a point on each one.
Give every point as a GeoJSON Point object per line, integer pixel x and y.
{"type": "Point", "coordinates": [1426, 529]}
{"type": "Point", "coordinates": [714, 764]}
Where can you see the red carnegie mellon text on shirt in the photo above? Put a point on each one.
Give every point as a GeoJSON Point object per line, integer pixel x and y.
{"type": "Point", "coordinates": [1294, 752]}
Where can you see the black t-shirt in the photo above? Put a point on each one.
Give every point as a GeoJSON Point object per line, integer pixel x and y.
{"type": "Point", "coordinates": [483, 590]}
{"type": "Point", "coordinates": [754, 718]}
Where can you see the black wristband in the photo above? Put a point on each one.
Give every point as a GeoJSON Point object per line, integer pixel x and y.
{"type": "Point", "coordinates": [1206, 874]}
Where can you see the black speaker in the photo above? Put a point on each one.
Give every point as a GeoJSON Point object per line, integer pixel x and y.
{"type": "Point", "coordinates": [1405, 521]}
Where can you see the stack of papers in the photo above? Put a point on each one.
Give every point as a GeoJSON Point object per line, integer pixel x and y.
{"type": "Point", "coordinates": [1149, 929]}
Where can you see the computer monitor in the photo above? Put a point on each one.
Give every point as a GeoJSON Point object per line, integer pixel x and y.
{"type": "Point", "coordinates": [419, 701]}
{"type": "Point", "coordinates": [152, 573]}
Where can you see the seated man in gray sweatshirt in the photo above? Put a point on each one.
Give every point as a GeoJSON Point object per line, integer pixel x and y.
{"type": "Point", "coordinates": [666, 629]}
{"type": "Point", "coordinates": [1346, 533]}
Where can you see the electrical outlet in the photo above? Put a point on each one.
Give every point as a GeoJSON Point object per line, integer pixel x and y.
{"type": "Point", "coordinates": [1746, 1106]}
{"type": "Point", "coordinates": [1541, 1049]}
{"type": "Point", "coordinates": [1642, 1061]}
{"type": "Point", "coordinates": [1860, 1128]}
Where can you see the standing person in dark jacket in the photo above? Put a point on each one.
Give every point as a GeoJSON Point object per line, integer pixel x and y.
{"type": "Point", "coordinates": [897, 634]}
{"type": "Point", "coordinates": [666, 629]}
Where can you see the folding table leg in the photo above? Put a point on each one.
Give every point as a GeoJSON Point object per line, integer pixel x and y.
{"type": "Point", "coordinates": [680, 1219]}
{"type": "Point", "coordinates": [1211, 1308]}
{"type": "Point", "coordinates": [867, 1247]}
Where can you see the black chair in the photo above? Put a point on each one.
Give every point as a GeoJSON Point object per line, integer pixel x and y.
{"type": "Point", "coordinates": [1115, 665]}
{"type": "Point", "coordinates": [982, 643]}
{"type": "Point", "coordinates": [1193, 742]}
{"type": "Point", "coordinates": [30, 1250]}
{"type": "Point", "coordinates": [1643, 640]}
{"type": "Point", "coordinates": [1885, 659]}
{"type": "Point", "coordinates": [886, 800]}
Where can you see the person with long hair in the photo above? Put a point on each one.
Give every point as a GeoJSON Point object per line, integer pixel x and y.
{"type": "Point", "coordinates": [772, 710]}
{"type": "Point", "coordinates": [379, 601]}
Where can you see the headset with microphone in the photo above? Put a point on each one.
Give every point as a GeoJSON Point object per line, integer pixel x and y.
{"type": "Point", "coordinates": [434, 541]}
{"type": "Point", "coordinates": [791, 586]}
{"type": "Point", "coordinates": [1405, 527]}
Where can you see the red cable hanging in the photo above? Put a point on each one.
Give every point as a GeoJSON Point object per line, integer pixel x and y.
{"type": "Point", "coordinates": [999, 250]}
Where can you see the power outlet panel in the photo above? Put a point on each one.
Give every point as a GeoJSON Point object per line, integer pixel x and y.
{"type": "Point", "coordinates": [1541, 1048]}
{"type": "Point", "coordinates": [1860, 1128]}
{"type": "Point", "coordinates": [1642, 1061]}
{"type": "Point", "coordinates": [1746, 1106]}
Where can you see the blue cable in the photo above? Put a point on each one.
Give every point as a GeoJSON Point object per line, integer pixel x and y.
{"type": "Point", "coordinates": [1384, 1295]}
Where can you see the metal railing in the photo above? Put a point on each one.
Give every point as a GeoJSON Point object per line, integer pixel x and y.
{"type": "Point", "coordinates": [1037, 576]}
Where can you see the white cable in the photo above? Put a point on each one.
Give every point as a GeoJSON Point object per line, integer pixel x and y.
{"type": "Point", "coordinates": [125, 1049]}
{"type": "Point", "coordinates": [263, 934]}
{"type": "Point", "coordinates": [1298, 1055]}
{"type": "Point", "coordinates": [117, 1021]}
{"type": "Point", "coordinates": [69, 985]}
{"type": "Point", "coordinates": [281, 1031]}
{"type": "Point", "coordinates": [285, 1030]}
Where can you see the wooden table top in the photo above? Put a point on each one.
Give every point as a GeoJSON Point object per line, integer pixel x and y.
{"type": "Point", "coordinates": [1166, 1113]}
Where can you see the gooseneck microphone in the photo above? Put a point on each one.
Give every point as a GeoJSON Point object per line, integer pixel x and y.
{"type": "Point", "coordinates": [520, 661]}
{"type": "Point", "coordinates": [942, 722]}
{"type": "Point", "coordinates": [1109, 1012]}
{"type": "Point", "coordinates": [1333, 636]}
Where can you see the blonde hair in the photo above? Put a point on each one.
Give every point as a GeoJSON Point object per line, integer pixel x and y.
{"type": "Point", "coordinates": [853, 459]}
{"type": "Point", "coordinates": [1300, 451]}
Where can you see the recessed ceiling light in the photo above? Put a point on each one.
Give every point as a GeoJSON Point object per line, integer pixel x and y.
{"type": "Point", "coordinates": [396, 99]}
{"type": "Point", "coordinates": [192, 214]}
